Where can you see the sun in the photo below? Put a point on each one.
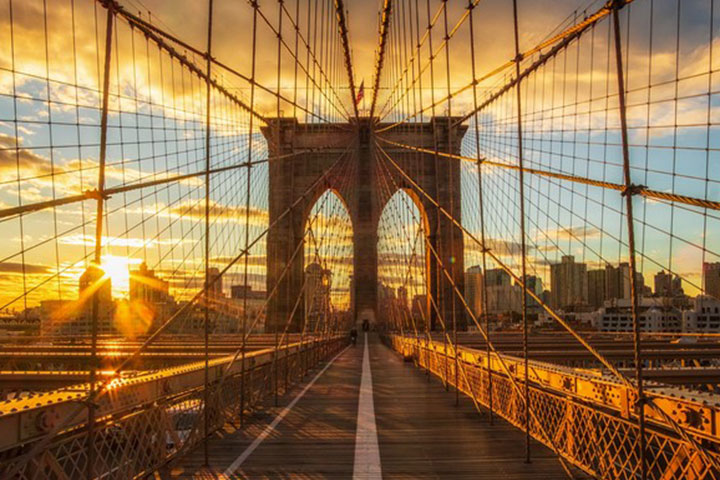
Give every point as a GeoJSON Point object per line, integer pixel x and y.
{"type": "Point", "coordinates": [118, 269]}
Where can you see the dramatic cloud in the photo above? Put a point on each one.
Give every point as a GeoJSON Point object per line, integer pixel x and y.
{"type": "Point", "coordinates": [29, 162]}
{"type": "Point", "coordinates": [221, 213]}
{"type": "Point", "coordinates": [19, 268]}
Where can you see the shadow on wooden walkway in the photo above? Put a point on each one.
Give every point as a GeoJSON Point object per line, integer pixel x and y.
{"type": "Point", "coordinates": [420, 432]}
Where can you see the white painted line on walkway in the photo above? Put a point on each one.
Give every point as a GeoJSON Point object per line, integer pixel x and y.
{"type": "Point", "coordinates": [367, 452]}
{"type": "Point", "coordinates": [230, 471]}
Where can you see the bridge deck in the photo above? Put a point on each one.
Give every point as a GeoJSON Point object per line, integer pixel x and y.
{"type": "Point", "coordinates": [421, 434]}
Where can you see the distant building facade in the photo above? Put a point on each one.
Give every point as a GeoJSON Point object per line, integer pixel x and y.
{"type": "Point", "coordinates": [215, 280]}
{"type": "Point", "coordinates": [75, 317]}
{"type": "Point", "coordinates": [473, 289]}
{"type": "Point", "coordinates": [498, 277]}
{"type": "Point", "coordinates": [318, 282]}
{"type": "Point", "coordinates": [668, 285]}
{"type": "Point", "coordinates": [420, 311]}
{"type": "Point", "coordinates": [597, 291]}
{"type": "Point", "coordinates": [654, 315]}
{"type": "Point", "coordinates": [93, 281]}
{"type": "Point", "coordinates": [704, 316]}
{"type": "Point", "coordinates": [150, 299]}
{"type": "Point", "coordinates": [711, 279]}
{"type": "Point", "coordinates": [504, 299]}
{"type": "Point", "coordinates": [255, 300]}
{"type": "Point", "coordinates": [617, 282]}
{"type": "Point", "coordinates": [568, 281]}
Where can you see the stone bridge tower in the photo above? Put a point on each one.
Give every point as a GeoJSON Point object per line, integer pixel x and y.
{"type": "Point", "coordinates": [365, 198]}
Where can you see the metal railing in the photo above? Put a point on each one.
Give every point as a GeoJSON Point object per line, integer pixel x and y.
{"type": "Point", "coordinates": [589, 417]}
{"type": "Point", "coordinates": [146, 421]}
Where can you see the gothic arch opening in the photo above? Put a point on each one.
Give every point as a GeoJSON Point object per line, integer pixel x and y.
{"type": "Point", "coordinates": [403, 263]}
{"type": "Point", "coordinates": [328, 264]}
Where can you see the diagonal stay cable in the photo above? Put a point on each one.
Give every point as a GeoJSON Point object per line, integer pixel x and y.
{"type": "Point", "coordinates": [107, 192]}
{"type": "Point", "coordinates": [183, 60]}
{"type": "Point", "coordinates": [308, 231]}
{"type": "Point", "coordinates": [619, 375]}
{"type": "Point", "coordinates": [454, 344]}
{"type": "Point", "coordinates": [342, 27]}
{"type": "Point", "coordinates": [477, 323]}
{"type": "Point", "coordinates": [102, 388]}
{"type": "Point", "coordinates": [137, 21]}
{"type": "Point", "coordinates": [380, 58]}
{"type": "Point", "coordinates": [636, 189]}
{"type": "Point", "coordinates": [560, 41]}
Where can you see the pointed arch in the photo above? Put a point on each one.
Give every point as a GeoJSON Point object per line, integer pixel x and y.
{"type": "Point", "coordinates": [404, 261]}
{"type": "Point", "coordinates": [328, 259]}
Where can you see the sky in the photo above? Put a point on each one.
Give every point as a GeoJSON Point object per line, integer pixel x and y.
{"type": "Point", "coordinates": [50, 149]}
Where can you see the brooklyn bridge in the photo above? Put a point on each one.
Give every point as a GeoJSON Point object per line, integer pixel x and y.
{"type": "Point", "coordinates": [327, 239]}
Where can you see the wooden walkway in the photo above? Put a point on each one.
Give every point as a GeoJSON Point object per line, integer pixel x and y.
{"type": "Point", "coordinates": [420, 432]}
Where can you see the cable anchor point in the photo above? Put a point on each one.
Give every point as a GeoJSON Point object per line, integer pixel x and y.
{"type": "Point", "coordinates": [633, 189]}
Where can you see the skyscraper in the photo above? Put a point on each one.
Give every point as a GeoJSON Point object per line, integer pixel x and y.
{"type": "Point", "coordinates": [150, 295]}
{"type": "Point", "coordinates": [497, 277]}
{"type": "Point", "coordinates": [215, 289]}
{"type": "Point", "coordinates": [146, 286]}
{"type": "Point", "coordinates": [503, 297]}
{"type": "Point", "coordinates": [317, 293]}
{"type": "Point", "coordinates": [568, 281]}
{"type": "Point", "coordinates": [617, 282]}
{"type": "Point", "coordinates": [420, 311]}
{"type": "Point", "coordinates": [534, 285]}
{"type": "Point", "coordinates": [93, 281]}
{"type": "Point", "coordinates": [597, 292]}
{"type": "Point", "coordinates": [668, 285]}
{"type": "Point", "coordinates": [473, 288]}
{"type": "Point", "coordinates": [711, 279]}
{"type": "Point", "coordinates": [402, 296]}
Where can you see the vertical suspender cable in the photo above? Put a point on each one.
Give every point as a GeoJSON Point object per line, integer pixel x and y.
{"type": "Point", "coordinates": [628, 194]}
{"type": "Point", "coordinates": [523, 249]}
{"type": "Point", "coordinates": [342, 26]}
{"type": "Point", "coordinates": [418, 131]}
{"type": "Point", "coordinates": [247, 214]}
{"type": "Point", "coordinates": [438, 290]}
{"type": "Point", "coordinates": [379, 61]}
{"type": "Point", "coordinates": [483, 302]}
{"type": "Point", "coordinates": [451, 181]}
{"type": "Point", "coordinates": [278, 139]}
{"type": "Point", "coordinates": [90, 471]}
{"type": "Point", "coordinates": [206, 410]}
{"type": "Point", "coordinates": [300, 353]}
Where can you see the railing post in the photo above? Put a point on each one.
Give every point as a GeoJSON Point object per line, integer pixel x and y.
{"type": "Point", "coordinates": [287, 360]}
{"type": "Point", "coordinates": [521, 181]}
{"type": "Point", "coordinates": [628, 193]}
{"type": "Point", "coordinates": [274, 379]}
{"type": "Point", "coordinates": [97, 259]}
{"type": "Point", "coordinates": [206, 393]}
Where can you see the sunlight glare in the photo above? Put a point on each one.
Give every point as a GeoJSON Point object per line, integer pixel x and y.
{"type": "Point", "coordinates": [118, 269]}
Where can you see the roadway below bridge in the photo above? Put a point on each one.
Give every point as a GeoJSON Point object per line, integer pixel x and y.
{"type": "Point", "coordinates": [369, 415]}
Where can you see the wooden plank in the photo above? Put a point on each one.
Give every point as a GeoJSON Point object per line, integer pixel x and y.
{"type": "Point", "coordinates": [316, 439]}
{"type": "Point", "coordinates": [422, 434]}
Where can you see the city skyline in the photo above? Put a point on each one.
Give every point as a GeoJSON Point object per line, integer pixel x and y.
{"type": "Point", "coordinates": [351, 238]}
{"type": "Point", "coordinates": [143, 227]}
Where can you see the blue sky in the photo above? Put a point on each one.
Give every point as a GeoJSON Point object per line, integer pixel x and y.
{"type": "Point", "coordinates": [570, 122]}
